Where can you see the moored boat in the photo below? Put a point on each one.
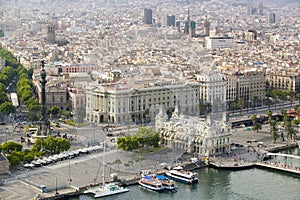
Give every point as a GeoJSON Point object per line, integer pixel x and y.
{"type": "Point", "coordinates": [151, 183]}
{"type": "Point", "coordinates": [107, 190]}
{"type": "Point", "coordinates": [181, 175]}
{"type": "Point", "coordinates": [166, 182]}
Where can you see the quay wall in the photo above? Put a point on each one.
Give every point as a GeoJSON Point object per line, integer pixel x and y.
{"type": "Point", "coordinates": [280, 148]}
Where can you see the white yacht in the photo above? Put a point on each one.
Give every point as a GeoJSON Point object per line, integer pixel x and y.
{"type": "Point", "coordinates": [107, 190]}
{"type": "Point", "coordinates": [178, 174]}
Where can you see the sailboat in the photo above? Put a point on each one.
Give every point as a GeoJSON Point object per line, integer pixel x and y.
{"type": "Point", "coordinates": [106, 189]}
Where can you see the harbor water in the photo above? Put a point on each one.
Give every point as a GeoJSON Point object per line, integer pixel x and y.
{"type": "Point", "coordinates": [252, 184]}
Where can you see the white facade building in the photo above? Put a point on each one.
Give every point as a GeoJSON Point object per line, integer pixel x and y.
{"type": "Point", "coordinates": [218, 42]}
{"type": "Point", "coordinates": [212, 87]}
{"type": "Point", "coordinates": [200, 136]}
{"type": "Point", "coordinates": [138, 99]}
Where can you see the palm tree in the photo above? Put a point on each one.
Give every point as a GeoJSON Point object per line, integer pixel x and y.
{"type": "Point", "coordinates": [268, 102]}
{"type": "Point", "coordinates": [291, 133]}
{"type": "Point", "coordinates": [274, 130]}
{"type": "Point", "coordinates": [298, 96]}
{"type": "Point", "coordinates": [253, 119]}
{"type": "Point", "coordinates": [240, 104]}
{"type": "Point", "coordinates": [269, 113]}
{"type": "Point", "coordinates": [256, 126]}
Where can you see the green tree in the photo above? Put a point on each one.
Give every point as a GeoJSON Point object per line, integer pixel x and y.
{"type": "Point", "coordinates": [34, 116]}
{"type": "Point", "coordinates": [3, 98]}
{"type": "Point", "coordinates": [256, 125]}
{"type": "Point", "coordinates": [233, 105]}
{"type": "Point", "coordinates": [2, 87]}
{"type": "Point", "coordinates": [28, 157]}
{"type": "Point", "coordinates": [7, 108]}
{"type": "Point", "coordinates": [13, 160]}
{"type": "Point", "coordinates": [291, 133]}
{"type": "Point", "coordinates": [54, 110]}
{"type": "Point", "coordinates": [269, 113]}
{"type": "Point", "coordinates": [63, 144]}
{"type": "Point", "coordinates": [274, 130]}
{"type": "Point", "coordinates": [8, 147]}
{"type": "Point", "coordinates": [240, 104]}
{"type": "Point", "coordinates": [268, 102]}
{"type": "Point", "coordinates": [38, 145]}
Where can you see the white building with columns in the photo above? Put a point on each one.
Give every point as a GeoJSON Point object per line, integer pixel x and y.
{"type": "Point", "coordinates": [137, 99]}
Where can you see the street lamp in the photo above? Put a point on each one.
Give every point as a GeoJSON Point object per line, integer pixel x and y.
{"type": "Point", "coordinates": [56, 193]}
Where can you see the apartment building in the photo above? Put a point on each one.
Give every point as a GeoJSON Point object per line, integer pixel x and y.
{"type": "Point", "coordinates": [222, 87]}
{"type": "Point", "coordinates": [289, 81]}
{"type": "Point", "coordinates": [212, 87]}
{"type": "Point", "coordinates": [249, 85]}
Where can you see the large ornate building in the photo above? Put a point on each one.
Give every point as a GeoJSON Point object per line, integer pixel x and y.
{"type": "Point", "coordinates": [137, 99]}
{"type": "Point", "coordinates": [200, 136]}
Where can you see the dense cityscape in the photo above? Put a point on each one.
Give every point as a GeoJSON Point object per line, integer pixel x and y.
{"type": "Point", "coordinates": [90, 78]}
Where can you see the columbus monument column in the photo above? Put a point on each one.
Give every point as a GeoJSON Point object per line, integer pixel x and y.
{"type": "Point", "coordinates": [44, 125]}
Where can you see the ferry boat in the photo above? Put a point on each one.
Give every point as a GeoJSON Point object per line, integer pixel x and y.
{"type": "Point", "coordinates": [151, 183]}
{"type": "Point", "coordinates": [166, 182]}
{"type": "Point", "coordinates": [107, 190]}
{"type": "Point", "coordinates": [181, 175]}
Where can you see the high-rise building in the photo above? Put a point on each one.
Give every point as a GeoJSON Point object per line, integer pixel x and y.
{"type": "Point", "coordinates": [271, 18]}
{"type": "Point", "coordinates": [178, 25]}
{"type": "Point", "coordinates": [148, 16]}
{"type": "Point", "coordinates": [50, 34]}
{"type": "Point", "coordinates": [187, 23]}
{"type": "Point", "coordinates": [206, 27]}
{"type": "Point", "coordinates": [192, 26]}
{"type": "Point", "coordinates": [170, 20]}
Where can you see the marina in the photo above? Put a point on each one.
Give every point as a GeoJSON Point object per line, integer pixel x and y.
{"type": "Point", "coordinates": [226, 167]}
{"type": "Point", "coordinates": [223, 185]}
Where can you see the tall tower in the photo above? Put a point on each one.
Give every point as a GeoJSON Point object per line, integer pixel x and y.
{"type": "Point", "coordinates": [206, 27]}
{"type": "Point", "coordinates": [50, 34]}
{"type": "Point", "coordinates": [192, 26]}
{"type": "Point", "coordinates": [271, 18]}
{"type": "Point", "coordinates": [187, 24]}
{"type": "Point", "coordinates": [148, 16]}
{"type": "Point", "coordinates": [44, 127]}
